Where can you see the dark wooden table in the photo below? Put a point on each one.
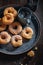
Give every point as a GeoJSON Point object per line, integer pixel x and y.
{"type": "Point", "coordinates": [24, 59]}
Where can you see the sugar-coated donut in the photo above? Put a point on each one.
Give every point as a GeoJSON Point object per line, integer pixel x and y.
{"type": "Point", "coordinates": [16, 40]}
{"type": "Point", "coordinates": [4, 37]}
{"type": "Point", "coordinates": [8, 19]}
{"type": "Point", "coordinates": [27, 33]}
{"type": "Point", "coordinates": [15, 28]}
{"type": "Point", "coordinates": [10, 10]}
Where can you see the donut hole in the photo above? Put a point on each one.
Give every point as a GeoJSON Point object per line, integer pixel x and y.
{"type": "Point", "coordinates": [16, 39]}
{"type": "Point", "coordinates": [15, 27]}
{"type": "Point", "coordinates": [27, 32]}
{"type": "Point", "coordinates": [3, 37]}
{"type": "Point", "coordinates": [10, 11]}
{"type": "Point", "coordinates": [8, 18]}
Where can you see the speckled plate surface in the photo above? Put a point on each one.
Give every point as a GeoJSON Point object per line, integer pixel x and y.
{"type": "Point", "coordinates": [27, 44]}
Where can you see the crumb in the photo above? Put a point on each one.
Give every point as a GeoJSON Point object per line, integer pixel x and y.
{"type": "Point", "coordinates": [36, 48]}
{"type": "Point", "coordinates": [21, 64]}
{"type": "Point", "coordinates": [31, 53]}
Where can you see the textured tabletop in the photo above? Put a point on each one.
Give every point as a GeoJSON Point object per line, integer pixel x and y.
{"type": "Point", "coordinates": [24, 59]}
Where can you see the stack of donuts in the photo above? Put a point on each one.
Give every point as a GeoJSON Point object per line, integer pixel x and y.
{"type": "Point", "coordinates": [14, 27]}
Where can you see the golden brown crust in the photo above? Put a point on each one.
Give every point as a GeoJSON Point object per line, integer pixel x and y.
{"type": "Point", "coordinates": [27, 33]}
{"type": "Point", "coordinates": [17, 30]}
{"type": "Point", "coordinates": [4, 37]}
{"type": "Point", "coordinates": [10, 10]}
{"type": "Point", "coordinates": [16, 40]}
{"type": "Point", "coordinates": [8, 19]}
{"type": "Point", "coordinates": [2, 26]}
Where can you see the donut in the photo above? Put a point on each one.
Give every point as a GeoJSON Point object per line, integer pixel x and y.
{"type": "Point", "coordinates": [2, 26]}
{"type": "Point", "coordinates": [15, 28]}
{"type": "Point", "coordinates": [7, 19]}
{"type": "Point", "coordinates": [4, 37]}
{"type": "Point", "coordinates": [16, 40]}
{"type": "Point", "coordinates": [27, 33]}
{"type": "Point", "coordinates": [10, 10]}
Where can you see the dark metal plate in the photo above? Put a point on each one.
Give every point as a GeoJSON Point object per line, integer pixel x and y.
{"type": "Point", "coordinates": [27, 44]}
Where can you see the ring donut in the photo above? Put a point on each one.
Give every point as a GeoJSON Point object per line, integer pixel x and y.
{"type": "Point", "coordinates": [27, 33]}
{"type": "Point", "coordinates": [10, 10]}
{"type": "Point", "coordinates": [8, 19]}
{"type": "Point", "coordinates": [2, 26]}
{"type": "Point", "coordinates": [4, 37]}
{"type": "Point", "coordinates": [15, 28]}
{"type": "Point", "coordinates": [16, 40]}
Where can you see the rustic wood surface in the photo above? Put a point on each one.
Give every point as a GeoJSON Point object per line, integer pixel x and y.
{"type": "Point", "coordinates": [24, 59]}
{"type": "Point", "coordinates": [7, 2]}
